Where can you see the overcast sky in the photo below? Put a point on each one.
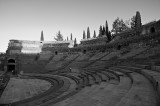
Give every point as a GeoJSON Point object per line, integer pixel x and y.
{"type": "Point", "coordinates": [25, 19]}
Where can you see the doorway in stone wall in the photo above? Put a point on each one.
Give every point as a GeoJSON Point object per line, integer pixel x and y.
{"type": "Point", "coordinates": [56, 53]}
{"type": "Point", "coordinates": [84, 51]}
{"type": "Point", "coordinates": [11, 67]}
{"type": "Point", "coordinates": [152, 30]}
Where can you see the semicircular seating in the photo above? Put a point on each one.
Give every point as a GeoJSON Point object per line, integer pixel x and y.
{"type": "Point", "coordinates": [98, 92]}
{"type": "Point", "coordinates": [141, 88]}
{"type": "Point", "coordinates": [60, 86]}
{"type": "Point", "coordinates": [114, 78]}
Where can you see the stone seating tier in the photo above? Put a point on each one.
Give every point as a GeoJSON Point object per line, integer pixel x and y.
{"type": "Point", "coordinates": [133, 52]}
{"type": "Point", "coordinates": [58, 65]}
{"type": "Point", "coordinates": [141, 81]}
{"type": "Point", "coordinates": [89, 95]}
{"type": "Point", "coordinates": [151, 51]}
{"type": "Point", "coordinates": [76, 78]}
{"type": "Point", "coordinates": [45, 56]}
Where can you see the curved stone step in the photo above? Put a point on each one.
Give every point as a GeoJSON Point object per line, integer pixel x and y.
{"type": "Point", "coordinates": [103, 76]}
{"type": "Point", "coordinates": [104, 94]}
{"type": "Point", "coordinates": [91, 78]}
{"type": "Point", "coordinates": [141, 88]}
{"type": "Point", "coordinates": [97, 77]}
{"type": "Point", "coordinates": [74, 78]}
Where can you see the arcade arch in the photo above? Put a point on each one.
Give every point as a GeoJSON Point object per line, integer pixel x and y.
{"type": "Point", "coordinates": [56, 53]}
{"type": "Point", "coordinates": [11, 66]}
{"type": "Point", "coordinates": [152, 30]}
{"type": "Point", "coordinates": [84, 51]}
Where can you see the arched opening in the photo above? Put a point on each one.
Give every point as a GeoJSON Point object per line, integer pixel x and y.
{"type": "Point", "coordinates": [119, 47]}
{"type": "Point", "coordinates": [152, 30]}
{"type": "Point", "coordinates": [11, 69]}
{"type": "Point", "coordinates": [11, 66]}
{"type": "Point", "coordinates": [84, 51]}
{"type": "Point", "coordinates": [11, 61]}
{"type": "Point", "coordinates": [56, 52]}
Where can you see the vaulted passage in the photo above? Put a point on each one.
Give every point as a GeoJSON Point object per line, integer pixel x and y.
{"type": "Point", "coordinates": [152, 30]}
{"type": "Point", "coordinates": [11, 66]}
{"type": "Point", "coordinates": [11, 61]}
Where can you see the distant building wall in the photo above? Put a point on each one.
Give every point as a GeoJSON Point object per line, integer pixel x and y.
{"type": "Point", "coordinates": [35, 47]}
{"type": "Point", "coordinates": [151, 27]}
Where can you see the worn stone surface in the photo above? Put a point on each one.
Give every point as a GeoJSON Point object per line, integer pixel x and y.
{"type": "Point", "coordinates": [19, 89]}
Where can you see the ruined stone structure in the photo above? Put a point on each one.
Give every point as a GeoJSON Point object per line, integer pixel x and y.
{"type": "Point", "coordinates": [100, 44]}
{"type": "Point", "coordinates": [35, 47]}
{"type": "Point", "coordinates": [24, 46]}
{"type": "Point", "coordinates": [17, 49]}
{"type": "Point", "coordinates": [124, 69]}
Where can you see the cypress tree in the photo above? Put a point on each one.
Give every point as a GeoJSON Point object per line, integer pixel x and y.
{"type": "Point", "coordinates": [67, 38]}
{"type": "Point", "coordinates": [94, 35]}
{"type": "Point", "coordinates": [109, 36]}
{"type": "Point", "coordinates": [42, 38]}
{"type": "Point", "coordinates": [84, 35]}
{"type": "Point", "coordinates": [107, 28]}
{"type": "Point", "coordinates": [103, 31]}
{"type": "Point", "coordinates": [88, 33]}
{"type": "Point", "coordinates": [100, 31]}
{"type": "Point", "coordinates": [71, 36]}
{"type": "Point", "coordinates": [138, 20]}
{"type": "Point", "coordinates": [75, 41]}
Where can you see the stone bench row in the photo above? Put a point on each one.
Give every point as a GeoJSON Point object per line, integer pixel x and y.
{"type": "Point", "coordinates": [78, 80]}
{"type": "Point", "coordinates": [106, 72]}
{"type": "Point", "coordinates": [89, 77]}
{"type": "Point", "coordinates": [56, 96]}
{"type": "Point", "coordinates": [105, 93]}
{"type": "Point", "coordinates": [126, 73]}
{"type": "Point", "coordinates": [103, 75]}
{"type": "Point", "coordinates": [152, 76]}
{"type": "Point", "coordinates": [148, 66]}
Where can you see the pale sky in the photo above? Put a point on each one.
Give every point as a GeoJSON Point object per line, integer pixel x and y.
{"type": "Point", "coordinates": [25, 19]}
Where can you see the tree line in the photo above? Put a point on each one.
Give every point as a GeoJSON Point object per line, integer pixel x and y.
{"type": "Point", "coordinates": [119, 25]}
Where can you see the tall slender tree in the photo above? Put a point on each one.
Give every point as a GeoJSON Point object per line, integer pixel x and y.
{"type": "Point", "coordinates": [109, 36]}
{"type": "Point", "coordinates": [94, 35]}
{"type": "Point", "coordinates": [138, 20]}
{"type": "Point", "coordinates": [88, 33]}
{"type": "Point", "coordinates": [42, 37]}
{"type": "Point", "coordinates": [84, 35]}
{"type": "Point", "coordinates": [67, 38]}
{"type": "Point", "coordinates": [75, 41]}
{"type": "Point", "coordinates": [107, 30]}
{"type": "Point", "coordinates": [100, 31]}
{"type": "Point", "coordinates": [71, 36]}
{"type": "Point", "coordinates": [103, 31]}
